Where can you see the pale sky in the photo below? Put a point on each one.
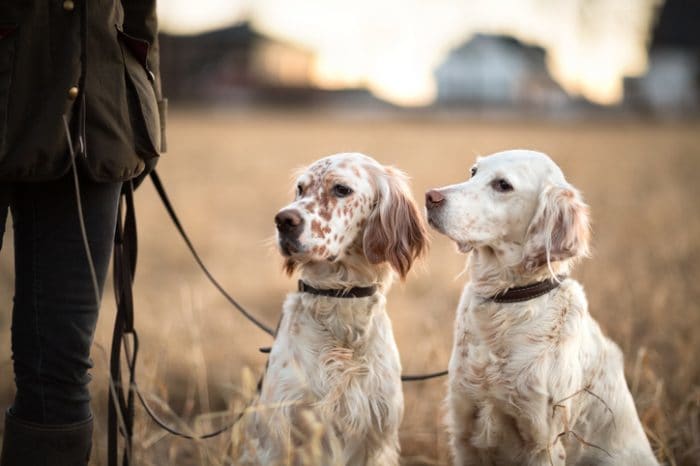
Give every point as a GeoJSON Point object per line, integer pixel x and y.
{"type": "Point", "coordinates": [392, 47]}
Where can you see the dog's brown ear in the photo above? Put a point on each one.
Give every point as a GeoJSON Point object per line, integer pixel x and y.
{"type": "Point", "coordinates": [395, 232]}
{"type": "Point", "coordinates": [560, 228]}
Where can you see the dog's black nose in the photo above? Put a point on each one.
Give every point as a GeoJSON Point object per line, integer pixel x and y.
{"type": "Point", "coordinates": [433, 198]}
{"type": "Point", "coordinates": [289, 222]}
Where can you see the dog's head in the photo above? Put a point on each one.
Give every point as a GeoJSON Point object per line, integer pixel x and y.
{"type": "Point", "coordinates": [518, 204]}
{"type": "Point", "coordinates": [349, 208]}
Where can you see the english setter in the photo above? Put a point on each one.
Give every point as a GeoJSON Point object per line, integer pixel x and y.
{"type": "Point", "coordinates": [332, 389]}
{"type": "Point", "coordinates": [533, 380]}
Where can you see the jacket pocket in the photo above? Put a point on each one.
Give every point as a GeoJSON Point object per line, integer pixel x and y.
{"type": "Point", "coordinates": [140, 77]}
{"type": "Point", "coordinates": [7, 55]}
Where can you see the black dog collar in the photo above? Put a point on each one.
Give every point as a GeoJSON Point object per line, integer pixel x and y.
{"type": "Point", "coordinates": [355, 292]}
{"type": "Point", "coordinates": [527, 292]}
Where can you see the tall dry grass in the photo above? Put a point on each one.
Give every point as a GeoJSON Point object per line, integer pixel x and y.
{"type": "Point", "coordinates": [229, 173]}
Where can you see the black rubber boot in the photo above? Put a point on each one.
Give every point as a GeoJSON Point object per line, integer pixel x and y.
{"type": "Point", "coordinates": [29, 444]}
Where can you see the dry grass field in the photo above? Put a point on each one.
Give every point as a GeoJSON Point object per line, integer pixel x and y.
{"type": "Point", "coordinates": [229, 173]}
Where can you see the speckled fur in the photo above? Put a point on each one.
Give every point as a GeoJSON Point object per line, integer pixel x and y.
{"type": "Point", "coordinates": [332, 391]}
{"type": "Point", "coordinates": [527, 378]}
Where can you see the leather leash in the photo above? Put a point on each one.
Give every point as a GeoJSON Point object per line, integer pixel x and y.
{"type": "Point", "coordinates": [178, 225]}
{"type": "Point", "coordinates": [123, 393]}
{"type": "Point", "coordinates": [121, 396]}
{"type": "Point", "coordinates": [160, 189]}
{"type": "Point", "coordinates": [121, 401]}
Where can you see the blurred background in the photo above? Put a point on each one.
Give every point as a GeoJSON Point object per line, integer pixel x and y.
{"type": "Point", "coordinates": [609, 88]}
{"type": "Point", "coordinates": [531, 57]}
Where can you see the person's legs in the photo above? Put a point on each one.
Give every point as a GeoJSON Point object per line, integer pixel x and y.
{"type": "Point", "coordinates": [54, 318]}
{"type": "Point", "coordinates": [55, 312]}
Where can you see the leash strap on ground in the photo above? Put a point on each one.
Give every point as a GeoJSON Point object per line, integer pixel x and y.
{"type": "Point", "coordinates": [171, 430]}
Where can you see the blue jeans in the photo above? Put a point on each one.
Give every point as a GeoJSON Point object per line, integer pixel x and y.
{"type": "Point", "coordinates": [55, 313]}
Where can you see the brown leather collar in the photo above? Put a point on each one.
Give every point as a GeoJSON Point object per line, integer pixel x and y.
{"type": "Point", "coordinates": [527, 292]}
{"type": "Point", "coordinates": [355, 292]}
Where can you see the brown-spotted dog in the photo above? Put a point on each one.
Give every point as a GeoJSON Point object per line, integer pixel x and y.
{"type": "Point", "coordinates": [332, 390]}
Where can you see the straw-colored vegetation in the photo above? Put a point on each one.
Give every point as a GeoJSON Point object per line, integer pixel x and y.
{"type": "Point", "coordinates": [229, 173]}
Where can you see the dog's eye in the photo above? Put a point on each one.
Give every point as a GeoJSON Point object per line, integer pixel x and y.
{"type": "Point", "coordinates": [341, 191]}
{"type": "Point", "coordinates": [300, 190]}
{"type": "Point", "coordinates": [473, 172]}
{"type": "Point", "coordinates": [501, 185]}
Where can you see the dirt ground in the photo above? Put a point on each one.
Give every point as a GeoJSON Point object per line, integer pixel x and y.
{"type": "Point", "coordinates": [228, 173]}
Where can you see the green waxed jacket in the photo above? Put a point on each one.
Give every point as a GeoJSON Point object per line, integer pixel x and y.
{"type": "Point", "coordinates": [94, 61]}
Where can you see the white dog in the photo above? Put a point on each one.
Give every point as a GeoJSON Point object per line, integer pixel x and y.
{"type": "Point", "coordinates": [533, 380]}
{"type": "Point", "coordinates": [332, 390]}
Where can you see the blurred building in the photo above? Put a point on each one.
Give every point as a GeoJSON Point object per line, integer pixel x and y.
{"type": "Point", "coordinates": [497, 71]}
{"type": "Point", "coordinates": [241, 66]}
{"type": "Point", "coordinates": [233, 63]}
{"type": "Point", "coordinates": [671, 86]}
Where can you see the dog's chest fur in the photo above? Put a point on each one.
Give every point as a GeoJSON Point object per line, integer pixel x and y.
{"type": "Point", "coordinates": [523, 376]}
{"type": "Point", "coordinates": [498, 344]}
{"type": "Point", "coordinates": [338, 357]}
{"type": "Point", "coordinates": [501, 355]}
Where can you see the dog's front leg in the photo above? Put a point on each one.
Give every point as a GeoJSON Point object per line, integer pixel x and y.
{"type": "Point", "coordinates": [540, 426]}
{"type": "Point", "coordinates": [460, 423]}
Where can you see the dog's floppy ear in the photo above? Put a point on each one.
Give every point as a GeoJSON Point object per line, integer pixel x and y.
{"type": "Point", "coordinates": [559, 230]}
{"type": "Point", "coordinates": [395, 232]}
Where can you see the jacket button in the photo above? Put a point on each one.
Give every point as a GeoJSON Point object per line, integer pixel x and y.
{"type": "Point", "coordinates": [68, 5]}
{"type": "Point", "coordinates": [73, 92]}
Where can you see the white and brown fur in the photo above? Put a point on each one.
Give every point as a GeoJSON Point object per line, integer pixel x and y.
{"type": "Point", "coordinates": [332, 390]}
{"type": "Point", "coordinates": [534, 382]}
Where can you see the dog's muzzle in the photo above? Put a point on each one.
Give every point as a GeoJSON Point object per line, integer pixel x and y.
{"type": "Point", "coordinates": [290, 225]}
{"type": "Point", "coordinates": [434, 200]}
